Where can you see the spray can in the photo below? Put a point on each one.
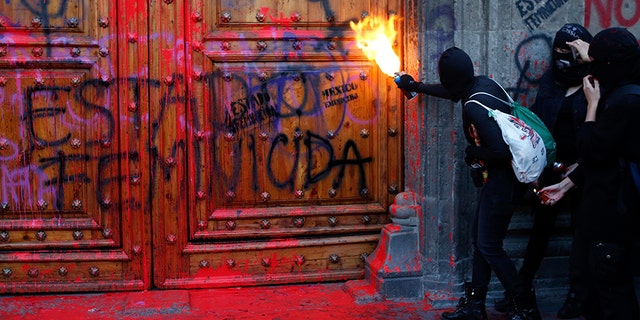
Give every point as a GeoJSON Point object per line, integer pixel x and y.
{"type": "Point", "coordinates": [408, 94]}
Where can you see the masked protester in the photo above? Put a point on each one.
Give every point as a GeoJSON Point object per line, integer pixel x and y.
{"type": "Point", "coordinates": [569, 65]}
{"type": "Point", "coordinates": [561, 104]}
{"type": "Point", "coordinates": [609, 209]}
{"type": "Point", "coordinates": [500, 190]}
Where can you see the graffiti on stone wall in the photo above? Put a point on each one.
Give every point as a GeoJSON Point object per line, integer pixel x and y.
{"type": "Point", "coordinates": [531, 59]}
{"type": "Point", "coordinates": [535, 12]}
{"type": "Point", "coordinates": [608, 13]}
{"type": "Point", "coordinates": [442, 20]}
{"type": "Point", "coordinates": [531, 54]}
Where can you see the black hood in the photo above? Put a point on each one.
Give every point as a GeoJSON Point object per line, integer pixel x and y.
{"type": "Point", "coordinates": [566, 69]}
{"type": "Point", "coordinates": [616, 55]}
{"type": "Point", "coordinates": [570, 32]}
{"type": "Point", "coordinates": [456, 72]}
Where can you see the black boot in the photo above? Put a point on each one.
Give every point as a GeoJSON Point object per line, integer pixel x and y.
{"type": "Point", "coordinates": [504, 305]}
{"type": "Point", "coordinates": [525, 307]}
{"type": "Point", "coordinates": [471, 306]}
{"type": "Point", "coordinates": [572, 307]}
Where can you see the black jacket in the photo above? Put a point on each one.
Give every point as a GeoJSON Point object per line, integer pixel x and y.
{"type": "Point", "coordinates": [493, 150]}
{"type": "Point", "coordinates": [457, 82]}
{"type": "Point", "coordinates": [548, 105]}
{"type": "Point", "coordinates": [550, 99]}
{"type": "Point", "coordinates": [610, 204]}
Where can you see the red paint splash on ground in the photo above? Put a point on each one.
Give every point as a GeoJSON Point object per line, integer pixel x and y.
{"type": "Point", "coordinates": [312, 301]}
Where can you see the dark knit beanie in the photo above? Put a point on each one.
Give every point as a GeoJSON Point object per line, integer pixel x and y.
{"type": "Point", "coordinates": [570, 32]}
{"type": "Point", "coordinates": [614, 44]}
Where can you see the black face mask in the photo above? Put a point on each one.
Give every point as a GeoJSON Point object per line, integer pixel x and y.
{"type": "Point", "coordinates": [563, 60]}
{"type": "Point", "coordinates": [566, 70]}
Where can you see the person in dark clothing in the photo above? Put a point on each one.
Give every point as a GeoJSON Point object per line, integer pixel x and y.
{"type": "Point", "coordinates": [561, 104]}
{"type": "Point", "coordinates": [501, 189]}
{"type": "Point", "coordinates": [610, 205]}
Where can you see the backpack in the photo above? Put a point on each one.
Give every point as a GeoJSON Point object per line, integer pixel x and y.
{"type": "Point", "coordinates": [634, 166]}
{"type": "Point", "coordinates": [528, 152]}
{"type": "Point", "coordinates": [529, 117]}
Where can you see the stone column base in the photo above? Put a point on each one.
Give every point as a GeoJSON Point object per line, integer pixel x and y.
{"type": "Point", "coordinates": [394, 269]}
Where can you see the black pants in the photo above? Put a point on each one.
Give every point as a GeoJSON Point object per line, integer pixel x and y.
{"type": "Point", "coordinates": [544, 224]}
{"type": "Point", "coordinates": [612, 294]}
{"type": "Point", "coordinates": [491, 221]}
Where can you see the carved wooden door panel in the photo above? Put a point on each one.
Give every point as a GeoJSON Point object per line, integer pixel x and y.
{"type": "Point", "coordinates": [222, 144]}
{"type": "Point", "coordinates": [71, 156]}
{"type": "Point", "coordinates": [275, 144]}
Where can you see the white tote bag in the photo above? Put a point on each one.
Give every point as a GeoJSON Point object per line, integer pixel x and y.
{"type": "Point", "coordinates": [528, 153]}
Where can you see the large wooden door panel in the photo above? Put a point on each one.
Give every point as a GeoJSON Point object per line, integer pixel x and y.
{"type": "Point", "coordinates": [66, 221]}
{"type": "Point", "coordinates": [294, 131]}
{"type": "Point", "coordinates": [289, 144]}
{"type": "Point", "coordinates": [292, 15]}
{"type": "Point", "coordinates": [278, 222]}
{"type": "Point", "coordinates": [279, 261]}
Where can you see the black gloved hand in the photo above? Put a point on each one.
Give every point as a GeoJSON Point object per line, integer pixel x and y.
{"type": "Point", "coordinates": [406, 82]}
{"type": "Point", "coordinates": [477, 177]}
{"type": "Point", "coordinates": [471, 155]}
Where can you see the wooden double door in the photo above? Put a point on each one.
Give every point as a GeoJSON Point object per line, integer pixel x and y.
{"type": "Point", "coordinates": [184, 144]}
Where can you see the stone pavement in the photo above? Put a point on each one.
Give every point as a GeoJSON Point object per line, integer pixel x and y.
{"type": "Point", "coordinates": [335, 301]}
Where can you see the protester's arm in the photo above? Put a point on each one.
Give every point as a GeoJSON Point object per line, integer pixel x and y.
{"type": "Point", "coordinates": [600, 137]}
{"type": "Point", "coordinates": [582, 48]}
{"type": "Point", "coordinates": [435, 89]}
{"type": "Point", "coordinates": [552, 194]}
{"type": "Point", "coordinates": [406, 82]}
{"type": "Point", "coordinates": [591, 87]}
{"type": "Point", "coordinates": [576, 174]}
